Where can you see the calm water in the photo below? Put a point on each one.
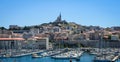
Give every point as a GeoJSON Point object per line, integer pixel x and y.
{"type": "Point", "coordinates": [84, 58]}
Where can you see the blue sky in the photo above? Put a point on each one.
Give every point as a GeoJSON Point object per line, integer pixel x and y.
{"type": "Point", "coordinates": [105, 13]}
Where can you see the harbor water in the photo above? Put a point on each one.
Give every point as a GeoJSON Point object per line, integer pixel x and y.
{"type": "Point", "coordinates": [84, 58]}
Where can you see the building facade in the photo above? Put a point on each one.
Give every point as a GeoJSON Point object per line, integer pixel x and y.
{"type": "Point", "coordinates": [11, 43]}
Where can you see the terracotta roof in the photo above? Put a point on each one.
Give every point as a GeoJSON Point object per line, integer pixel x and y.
{"type": "Point", "coordinates": [11, 39]}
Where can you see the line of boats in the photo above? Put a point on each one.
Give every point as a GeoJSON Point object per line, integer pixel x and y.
{"type": "Point", "coordinates": [70, 55]}
{"type": "Point", "coordinates": [47, 53]}
{"type": "Point", "coordinates": [105, 55]}
{"type": "Point", "coordinates": [101, 55]}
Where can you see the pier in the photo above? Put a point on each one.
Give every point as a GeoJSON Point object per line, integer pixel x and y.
{"type": "Point", "coordinates": [115, 58]}
{"type": "Point", "coordinates": [14, 53]}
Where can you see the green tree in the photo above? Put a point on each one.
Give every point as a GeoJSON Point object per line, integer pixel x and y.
{"type": "Point", "coordinates": [2, 28]}
{"type": "Point", "coordinates": [109, 37]}
{"type": "Point", "coordinates": [26, 28]}
{"type": "Point", "coordinates": [79, 45]}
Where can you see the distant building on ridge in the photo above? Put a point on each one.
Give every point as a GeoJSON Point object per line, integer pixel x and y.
{"type": "Point", "coordinates": [59, 19]}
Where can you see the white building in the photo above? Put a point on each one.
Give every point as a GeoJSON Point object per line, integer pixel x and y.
{"type": "Point", "coordinates": [43, 42]}
{"type": "Point", "coordinates": [38, 43]}
{"type": "Point", "coordinates": [14, 27]}
{"type": "Point", "coordinates": [11, 43]}
{"type": "Point", "coordinates": [114, 37]}
{"type": "Point", "coordinates": [56, 29]}
{"type": "Point", "coordinates": [34, 31]}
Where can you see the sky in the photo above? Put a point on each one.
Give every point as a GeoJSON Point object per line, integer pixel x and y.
{"type": "Point", "coordinates": [104, 13]}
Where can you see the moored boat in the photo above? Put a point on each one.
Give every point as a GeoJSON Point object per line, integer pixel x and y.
{"type": "Point", "coordinates": [36, 56]}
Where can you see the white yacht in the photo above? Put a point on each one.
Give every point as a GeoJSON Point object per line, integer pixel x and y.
{"type": "Point", "coordinates": [36, 56]}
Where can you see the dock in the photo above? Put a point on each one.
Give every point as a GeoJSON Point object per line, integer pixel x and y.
{"type": "Point", "coordinates": [115, 58]}
{"type": "Point", "coordinates": [20, 53]}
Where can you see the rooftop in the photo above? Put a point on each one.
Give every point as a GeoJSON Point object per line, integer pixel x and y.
{"type": "Point", "coordinates": [19, 39]}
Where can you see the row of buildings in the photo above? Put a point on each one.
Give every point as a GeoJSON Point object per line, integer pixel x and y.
{"type": "Point", "coordinates": [44, 36]}
{"type": "Point", "coordinates": [10, 40]}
